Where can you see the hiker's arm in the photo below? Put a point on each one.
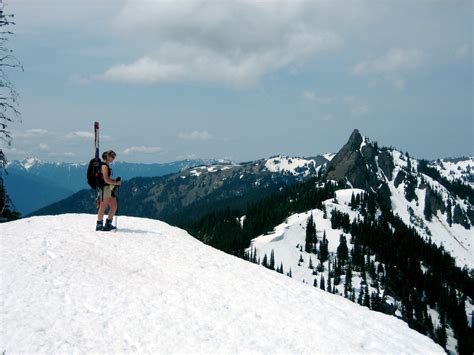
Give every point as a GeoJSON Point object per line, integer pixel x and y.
{"type": "Point", "coordinates": [107, 179]}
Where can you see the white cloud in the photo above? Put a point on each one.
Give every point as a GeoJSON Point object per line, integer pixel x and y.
{"type": "Point", "coordinates": [61, 154]}
{"type": "Point", "coordinates": [354, 105]}
{"type": "Point", "coordinates": [398, 83]}
{"type": "Point", "coordinates": [234, 43]}
{"type": "Point", "coordinates": [80, 135]}
{"type": "Point", "coordinates": [311, 96]}
{"type": "Point", "coordinates": [394, 61]}
{"type": "Point", "coordinates": [359, 110]}
{"type": "Point", "coordinates": [142, 149]}
{"type": "Point", "coordinates": [43, 147]}
{"type": "Point", "coordinates": [195, 136]}
{"type": "Point", "coordinates": [79, 80]}
{"type": "Point", "coordinates": [84, 135]}
{"type": "Point", "coordinates": [391, 66]}
{"type": "Point", "coordinates": [30, 133]}
{"type": "Point", "coordinates": [463, 51]}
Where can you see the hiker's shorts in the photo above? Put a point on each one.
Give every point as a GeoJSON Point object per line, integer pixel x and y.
{"type": "Point", "coordinates": [106, 192]}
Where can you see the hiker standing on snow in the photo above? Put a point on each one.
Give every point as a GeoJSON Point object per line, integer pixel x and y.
{"type": "Point", "coordinates": [107, 192]}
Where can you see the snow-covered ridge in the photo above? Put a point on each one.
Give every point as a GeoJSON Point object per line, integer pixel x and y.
{"type": "Point", "coordinates": [152, 288]}
{"type": "Point", "coordinates": [293, 165]}
{"type": "Point", "coordinates": [452, 169]}
{"type": "Point", "coordinates": [28, 163]}
{"type": "Point", "coordinates": [197, 171]}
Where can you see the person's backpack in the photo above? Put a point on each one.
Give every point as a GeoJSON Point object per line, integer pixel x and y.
{"type": "Point", "coordinates": [94, 175]}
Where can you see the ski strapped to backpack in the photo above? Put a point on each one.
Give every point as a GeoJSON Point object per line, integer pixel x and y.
{"type": "Point", "coordinates": [94, 174]}
{"type": "Point", "coordinates": [93, 170]}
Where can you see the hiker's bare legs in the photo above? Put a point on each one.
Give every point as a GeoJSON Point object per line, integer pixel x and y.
{"type": "Point", "coordinates": [102, 208]}
{"type": "Point", "coordinates": [113, 207]}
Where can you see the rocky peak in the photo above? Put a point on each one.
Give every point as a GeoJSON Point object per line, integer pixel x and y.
{"type": "Point", "coordinates": [355, 140]}
{"type": "Point", "coordinates": [355, 163]}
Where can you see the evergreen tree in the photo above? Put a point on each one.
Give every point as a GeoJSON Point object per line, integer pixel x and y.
{"type": "Point", "coordinates": [322, 286]}
{"type": "Point", "coordinates": [323, 249]}
{"type": "Point", "coordinates": [348, 280]}
{"type": "Point", "coordinates": [281, 268]}
{"type": "Point", "coordinates": [441, 337]}
{"type": "Point", "coordinates": [265, 261]}
{"type": "Point", "coordinates": [272, 260]}
{"type": "Point", "coordinates": [427, 210]}
{"type": "Point", "coordinates": [360, 298]}
{"type": "Point", "coordinates": [315, 282]}
{"type": "Point", "coordinates": [376, 302]}
{"type": "Point", "coordinates": [337, 271]}
{"type": "Point", "coordinates": [408, 162]}
{"type": "Point", "coordinates": [7, 211]}
{"type": "Point", "coordinates": [367, 297]}
{"type": "Point", "coordinates": [357, 201]}
{"type": "Point", "coordinates": [449, 213]}
{"type": "Point", "coordinates": [342, 250]}
{"type": "Point", "coordinates": [311, 239]}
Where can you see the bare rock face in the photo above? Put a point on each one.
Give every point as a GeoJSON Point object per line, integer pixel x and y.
{"type": "Point", "coordinates": [355, 163]}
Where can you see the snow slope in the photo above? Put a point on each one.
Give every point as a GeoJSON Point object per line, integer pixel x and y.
{"type": "Point", "coordinates": [456, 239]}
{"type": "Point", "coordinates": [453, 169]}
{"type": "Point", "coordinates": [288, 240]}
{"type": "Point", "coordinates": [153, 288]}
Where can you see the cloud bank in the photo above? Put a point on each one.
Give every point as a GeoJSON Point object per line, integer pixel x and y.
{"type": "Point", "coordinates": [391, 66]}
{"type": "Point", "coordinates": [142, 149]}
{"type": "Point", "coordinates": [195, 136]}
{"type": "Point", "coordinates": [234, 43]}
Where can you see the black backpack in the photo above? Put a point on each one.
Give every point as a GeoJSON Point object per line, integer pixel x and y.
{"type": "Point", "coordinates": [94, 175]}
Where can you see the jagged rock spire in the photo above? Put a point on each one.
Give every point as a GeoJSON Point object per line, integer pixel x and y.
{"type": "Point", "coordinates": [355, 140]}
{"type": "Point", "coordinates": [352, 163]}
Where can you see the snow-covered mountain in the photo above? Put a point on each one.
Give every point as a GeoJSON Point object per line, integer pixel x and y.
{"type": "Point", "coordinates": [152, 288]}
{"type": "Point", "coordinates": [432, 199]}
{"type": "Point", "coordinates": [416, 190]}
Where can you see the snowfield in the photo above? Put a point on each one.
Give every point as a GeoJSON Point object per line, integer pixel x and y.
{"type": "Point", "coordinates": [153, 288]}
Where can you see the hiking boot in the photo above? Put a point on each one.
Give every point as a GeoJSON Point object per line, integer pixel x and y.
{"type": "Point", "coordinates": [108, 225]}
{"type": "Point", "coordinates": [99, 226]}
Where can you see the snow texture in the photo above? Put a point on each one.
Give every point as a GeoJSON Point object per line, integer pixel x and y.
{"type": "Point", "coordinates": [458, 169]}
{"type": "Point", "coordinates": [152, 288]}
{"type": "Point", "coordinates": [293, 165]}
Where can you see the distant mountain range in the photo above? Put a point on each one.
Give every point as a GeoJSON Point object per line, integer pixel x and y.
{"type": "Point", "coordinates": [32, 183]}
{"type": "Point", "coordinates": [183, 197]}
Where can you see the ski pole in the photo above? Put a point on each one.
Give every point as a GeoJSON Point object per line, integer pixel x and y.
{"type": "Point", "coordinates": [116, 212]}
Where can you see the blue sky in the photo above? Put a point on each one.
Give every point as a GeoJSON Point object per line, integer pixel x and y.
{"type": "Point", "coordinates": [241, 79]}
